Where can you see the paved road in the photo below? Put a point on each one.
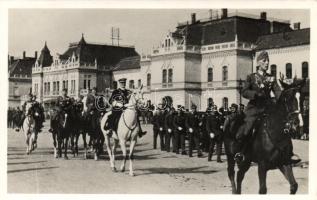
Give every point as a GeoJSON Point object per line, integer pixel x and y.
{"type": "Point", "coordinates": [156, 172]}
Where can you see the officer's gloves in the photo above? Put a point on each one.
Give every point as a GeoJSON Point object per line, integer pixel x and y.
{"type": "Point", "coordinates": [180, 128]}
{"type": "Point", "coordinates": [212, 135]}
{"type": "Point", "coordinates": [190, 130]}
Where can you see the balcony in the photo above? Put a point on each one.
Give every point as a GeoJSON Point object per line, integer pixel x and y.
{"type": "Point", "coordinates": [176, 49]}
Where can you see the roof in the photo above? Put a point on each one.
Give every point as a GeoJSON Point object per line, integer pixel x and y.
{"type": "Point", "coordinates": [128, 63]}
{"type": "Point", "coordinates": [106, 55]}
{"type": "Point", "coordinates": [284, 39]}
{"type": "Point", "coordinates": [226, 29]}
{"type": "Point", "coordinates": [22, 67]}
{"type": "Point", "coordinates": [45, 58]}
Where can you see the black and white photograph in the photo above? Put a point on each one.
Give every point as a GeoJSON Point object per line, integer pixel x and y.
{"type": "Point", "coordinates": [158, 101]}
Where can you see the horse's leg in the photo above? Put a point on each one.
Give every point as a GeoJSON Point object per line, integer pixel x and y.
{"type": "Point", "coordinates": [124, 154]}
{"type": "Point", "coordinates": [231, 173]}
{"type": "Point", "coordinates": [55, 144]}
{"type": "Point", "coordinates": [114, 150]}
{"type": "Point", "coordinates": [66, 147]}
{"type": "Point", "coordinates": [262, 172]}
{"type": "Point", "coordinates": [243, 168]}
{"type": "Point", "coordinates": [288, 174]}
{"type": "Point", "coordinates": [131, 157]}
{"type": "Point", "coordinates": [85, 144]}
{"type": "Point", "coordinates": [111, 159]}
{"type": "Point", "coordinates": [76, 142]}
{"type": "Point", "coordinates": [72, 145]}
{"type": "Point", "coordinates": [27, 143]}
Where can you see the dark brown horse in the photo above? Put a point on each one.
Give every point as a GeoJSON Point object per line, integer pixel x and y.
{"type": "Point", "coordinates": [270, 145]}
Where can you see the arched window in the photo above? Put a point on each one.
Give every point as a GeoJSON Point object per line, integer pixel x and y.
{"type": "Point", "coordinates": [139, 83]}
{"type": "Point", "coordinates": [224, 73]}
{"type": "Point", "coordinates": [164, 78]}
{"type": "Point", "coordinates": [210, 101]}
{"type": "Point", "coordinates": [273, 70]}
{"type": "Point", "coordinates": [131, 84]}
{"type": "Point", "coordinates": [210, 74]}
{"type": "Point", "coordinates": [305, 70]}
{"type": "Point", "coordinates": [225, 102]}
{"type": "Point", "coordinates": [148, 80]}
{"type": "Point", "coordinates": [170, 75]}
{"type": "Point", "coordinates": [288, 70]}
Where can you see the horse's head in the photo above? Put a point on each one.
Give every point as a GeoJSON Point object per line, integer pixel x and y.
{"type": "Point", "coordinates": [290, 101]}
{"type": "Point", "coordinates": [136, 97]}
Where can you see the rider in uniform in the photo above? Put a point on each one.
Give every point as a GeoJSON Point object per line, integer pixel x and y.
{"type": "Point", "coordinates": [64, 104]}
{"type": "Point", "coordinates": [91, 101]}
{"type": "Point", "coordinates": [118, 99]}
{"type": "Point", "coordinates": [254, 90]}
{"type": "Point", "coordinates": [192, 126]}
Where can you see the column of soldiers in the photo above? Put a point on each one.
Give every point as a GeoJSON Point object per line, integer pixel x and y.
{"type": "Point", "coordinates": [202, 130]}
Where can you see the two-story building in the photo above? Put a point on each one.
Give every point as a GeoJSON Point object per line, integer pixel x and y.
{"type": "Point", "coordinates": [20, 78]}
{"type": "Point", "coordinates": [82, 67]}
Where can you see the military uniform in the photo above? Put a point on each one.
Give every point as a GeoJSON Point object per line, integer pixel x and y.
{"type": "Point", "coordinates": [179, 130]}
{"type": "Point", "coordinates": [254, 90]}
{"type": "Point", "coordinates": [192, 127]}
{"type": "Point", "coordinates": [169, 132]}
{"type": "Point", "coordinates": [213, 123]}
{"type": "Point", "coordinates": [156, 127]}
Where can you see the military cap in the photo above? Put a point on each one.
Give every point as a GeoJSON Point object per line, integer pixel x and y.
{"type": "Point", "coordinates": [262, 55]}
{"type": "Point", "coordinates": [122, 80]}
{"type": "Point", "coordinates": [193, 106]}
{"type": "Point", "coordinates": [94, 88]}
{"type": "Point", "coordinates": [64, 89]}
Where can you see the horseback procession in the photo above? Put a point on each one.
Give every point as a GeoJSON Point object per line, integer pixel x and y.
{"type": "Point", "coordinates": [259, 133]}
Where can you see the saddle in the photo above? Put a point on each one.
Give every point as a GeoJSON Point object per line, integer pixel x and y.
{"type": "Point", "coordinates": [113, 120]}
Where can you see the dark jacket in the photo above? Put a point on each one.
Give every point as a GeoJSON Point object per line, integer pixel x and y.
{"type": "Point", "coordinates": [64, 104]}
{"type": "Point", "coordinates": [213, 123]}
{"type": "Point", "coordinates": [192, 121]}
{"type": "Point", "coordinates": [179, 121]}
{"type": "Point", "coordinates": [120, 95]}
{"type": "Point", "coordinates": [169, 118]}
{"type": "Point", "coordinates": [259, 97]}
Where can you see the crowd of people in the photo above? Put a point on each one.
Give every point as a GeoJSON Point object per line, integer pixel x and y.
{"type": "Point", "coordinates": [202, 130]}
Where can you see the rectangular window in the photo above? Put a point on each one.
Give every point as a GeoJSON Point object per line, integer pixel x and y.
{"type": "Point", "coordinates": [57, 87]}
{"type": "Point", "coordinates": [48, 88]}
{"type": "Point", "coordinates": [85, 87]}
{"type": "Point", "coordinates": [54, 88]}
{"type": "Point", "coordinates": [88, 84]}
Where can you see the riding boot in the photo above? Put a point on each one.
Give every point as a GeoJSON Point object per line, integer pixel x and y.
{"type": "Point", "coordinates": [140, 133]}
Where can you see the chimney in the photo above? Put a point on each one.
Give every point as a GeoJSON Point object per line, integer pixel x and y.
{"type": "Point", "coordinates": [263, 15]}
{"type": "Point", "coordinates": [35, 55]}
{"type": "Point", "coordinates": [23, 54]}
{"type": "Point", "coordinates": [224, 13]}
{"type": "Point", "coordinates": [210, 13]}
{"type": "Point", "coordinates": [193, 15]}
{"type": "Point", "coordinates": [297, 26]}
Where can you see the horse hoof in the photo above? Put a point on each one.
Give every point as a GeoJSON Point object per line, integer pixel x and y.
{"type": "Point", "coordinates": [96, 157]}
{"type": "Point", "coordinates": [131, 174]}
{"type": "Point", "coordinates": [66, 158]}
{"type": "Point", "coordinates": [122, 169]}
{"type": "Point", "coordinates": [113, 169]}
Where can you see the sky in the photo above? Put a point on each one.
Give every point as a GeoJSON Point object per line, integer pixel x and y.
{"type": "Point", "coordinates": [30, 28]}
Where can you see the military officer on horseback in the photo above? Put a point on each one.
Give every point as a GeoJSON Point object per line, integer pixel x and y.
{"type": "Point", "coordinates": [26, 108]}
{"type": "Point", "coordinates": [262, 90]}
{"type": "Point", "coordinates": [63, 105]}
{"type": "Point", "coordinates": [118, 99]}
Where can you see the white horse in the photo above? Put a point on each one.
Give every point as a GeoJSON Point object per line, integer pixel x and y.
{"type": "Point", "coordinates": [127, 130]}
{"type": "Point", "coordinates": [30, 131]}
